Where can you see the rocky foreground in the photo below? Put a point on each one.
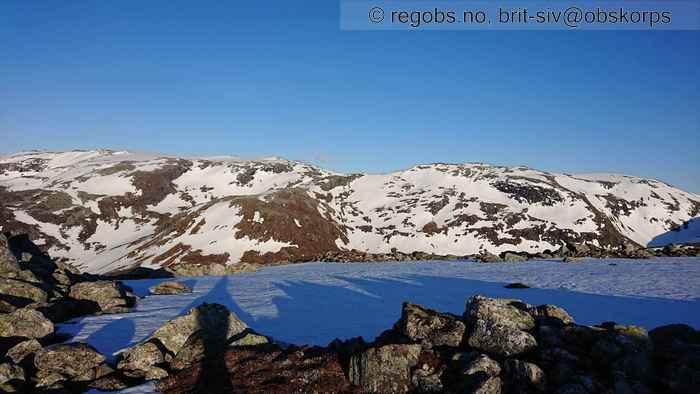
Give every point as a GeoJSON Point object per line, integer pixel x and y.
{"type": "Point", "coordinates": [495, 346]}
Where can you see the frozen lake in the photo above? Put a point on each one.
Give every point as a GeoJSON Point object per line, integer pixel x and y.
{"type": "Point", "coordinates": [314, 303]}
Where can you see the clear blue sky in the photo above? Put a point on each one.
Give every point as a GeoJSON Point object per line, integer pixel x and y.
{"type": "Point", "coordinates": [280, 78]}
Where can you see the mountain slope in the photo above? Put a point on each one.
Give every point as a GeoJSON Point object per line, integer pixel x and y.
{"type": "Point", "coordinates": [106, 210]}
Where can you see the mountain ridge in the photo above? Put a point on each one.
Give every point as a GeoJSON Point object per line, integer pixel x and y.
{"type": "Point", "coordinates": [107, 210]}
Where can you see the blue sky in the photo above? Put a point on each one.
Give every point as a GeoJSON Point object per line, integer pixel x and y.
{"type": "Point", "coordinates": [281, 78]}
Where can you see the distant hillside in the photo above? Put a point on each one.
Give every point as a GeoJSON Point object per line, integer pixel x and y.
{"type": "Point", "coordinates": [105, 210]}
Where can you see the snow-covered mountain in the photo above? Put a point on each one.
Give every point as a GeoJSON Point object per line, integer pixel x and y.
{"type": "Point", "coordinates": [105, 210]}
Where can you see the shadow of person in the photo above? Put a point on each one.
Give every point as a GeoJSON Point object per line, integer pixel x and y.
{"type": "Point", "coordinates": [210, 341]}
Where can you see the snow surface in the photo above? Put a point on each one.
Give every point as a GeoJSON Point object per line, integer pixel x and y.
{"type": "Point", "coordinates": [314, 303]}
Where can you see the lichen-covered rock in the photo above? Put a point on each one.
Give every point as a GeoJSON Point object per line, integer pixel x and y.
{"type": "Point", "coordinates": [21, 293]}
{"type": "Point", "coordinates": [11, 377]}
{"type": "Point", "coordinates": [429, 327]}
{"type": "Point", "coordinates": [482, 364]}
{"type": "Point", "coordinates": [525, 374]}
{"type": "Point", "coordinates": [497, 326]}
{"type": "Point", "coordinates": [215, 319]}
{"type": "Point", "coordinates": [167, 288]}
{"type": "Point", "coordinates": [489, 386]}
{"type": "Point", "coordinates": [551, 314]}
{"type": "Point", "coordinates": [141, 358]}
{"type": "Point", "coordinates": [8, 262]}
{"type": "Point", "coordinates": [23, 350]}
{"type": "Point", "coordinates": [384, 369]}
{"type": "Point", "coordinates": [73, 360]}
{"type": "Point", "coordinates": [111, 297]}
{"type": "Point", "coordinates": [25, 323]}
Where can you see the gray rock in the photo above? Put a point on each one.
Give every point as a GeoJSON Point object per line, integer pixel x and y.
{"type": "Point", "coordinates": [513, 257]}
{"type": "Point", "coordinates": [167, 288]}
{"type": "Point", "coordinates": [22, 291]}
{"type": "Point", "coordinates": [112, 297]}
{"type": "Point", "coordinates": [384, 369]}
{"type": "Point", "coordinates": [25, 323]}
{"type": "Point", "coordinates": [140, 358]}
{"type": "Point", "coordinates": [11, 377]}
{"type": "Point", "coordinates": [489, 386]}
{"type": "Point", "coordinates": [551, 314]}
{"type": "Point", "coordinates": [482, 364]}
{"type": "Point", "coordinates": [525, 374]}
{"type": "Point", "coordinates": [22, 350]}
{"type": "Point", "coordinates": [212, 318]}
{"type": "Point", "coordinates": [427, 380]}
{"type": "Point", "coordinates": [498, 326]}
{"type": "Point", "coordinates": [74, 360]}
{"type": "Point", "coordinates": [429, 327]}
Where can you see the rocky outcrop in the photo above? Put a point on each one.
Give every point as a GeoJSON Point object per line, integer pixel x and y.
{"type": "Point", "coordinates": [166, 288]}
{"type": "Point", "coordinates": [204, 332]}
{"type": "Point", "coordinates": [429, 327]}
{"type": "Point", "coordinates": [500, 327]}
{"type": "Point", "coordinates": [25, 323]}
{"type": "Point", "coordinates": [385, 369]}
{"type": "Point", "coordinates": [110, 296]}
{"type": "Point", "coordinates": [496, 346]}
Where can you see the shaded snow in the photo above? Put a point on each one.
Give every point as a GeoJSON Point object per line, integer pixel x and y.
{"type": "Point", "coordinates": [314, 303]}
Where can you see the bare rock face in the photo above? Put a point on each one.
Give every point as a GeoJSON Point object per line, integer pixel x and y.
{"type": "Point", "coordinates": [498, 326]}
{"type": "Point", "coordinates": [166, 288]}
{"type": "Point", "coordinates": [429, 327]}
{"type": "Point", "coordinates": [111, 297]}
{"type": "Point", "coordinates": [384, 369]}
{"type": "Point", "coordinates": [25, 323]}
{"type": "Point", "coordinates": [73, 362]}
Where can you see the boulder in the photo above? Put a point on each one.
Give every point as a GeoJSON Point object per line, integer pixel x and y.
{"type": "Point", "coordinates": [525, 374]}
{"type": "Point", "coordinates": [8, 261]}
{"type": "Point", "coordinates": [21, 293]}
{"type": "Point", "coordinates": [167, 288]}
{"type": "Point", "coordinates": [207, 344]}
{"type": "Point", "coordinates": [513, 257]}
{"type": "Point", "coordinates": [497, 326]}
{"type": "Point", "coordinates": [209, 269]}
{"type": "Point", "coordinates": [570, 259]}
{"type": "Point", "coordinates": [111, 297]}
{"type": "Point", "coordinates": [23, 350]}
{"type": "Point", "coordinates": [481, 365]}
{"type": "Point", "coordinates": [138, 360]}
{"type": "Point", "coordinates": [486, 257]}
{"type": "Point", "coordinates": [384, 369]}
{"type": "Point", "coordinates": [429, 327]}
{"type": "Point", "coordinates": [551, 314]}
{"type": "Point", "coordinates": [75, 361]}
{"type": "Point", "coordinates": [11, 378]}
{"type": "Point", "coordinates": [25, 323]}
{"type": "Point", "coordinates": [490, 386]}
{"type": "Point", "coordinates": [214, 319]}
